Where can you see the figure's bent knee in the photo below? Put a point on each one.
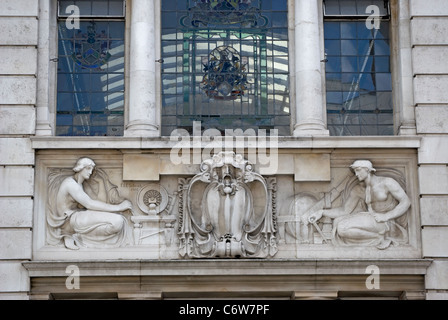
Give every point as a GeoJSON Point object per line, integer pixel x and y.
{"type": "Point", "coordinates": [343, 228]}
{"type": "Point", "coordinates": [116, 224]}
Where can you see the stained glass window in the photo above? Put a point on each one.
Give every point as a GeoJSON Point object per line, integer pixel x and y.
{"type": "Point", "coordinates": [90, 85]}
{"type": "Point", "coordinates": [358, 74]}
{"type": "Point", "coordinates": [354, 8]}
{"type": "Point", "coordinates": [225, 64]}
{"type": "Point", "coordinates": [88, 8]}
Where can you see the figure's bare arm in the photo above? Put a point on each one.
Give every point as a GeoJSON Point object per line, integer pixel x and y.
{"type": "Point", "coordinates": [79, 195]}
{"type": "Point", "coordinates": [403, 200]}
{"type": "Point", "coordinates": [348, 207]}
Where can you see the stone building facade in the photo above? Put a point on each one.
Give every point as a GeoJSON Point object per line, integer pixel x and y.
{"type": "Point", "coordinates": [331, 180]}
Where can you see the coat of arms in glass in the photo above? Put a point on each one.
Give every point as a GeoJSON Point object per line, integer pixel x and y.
{"type": "Point", "coordinates": [226, 64]}
{"type": "Point", "coordinates": [90, 87]}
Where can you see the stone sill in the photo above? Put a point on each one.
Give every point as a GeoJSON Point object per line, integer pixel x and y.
{"type": "Point", "coordinates": [284, 142]}
{"type": "Point", "coordinates": [228, 267]}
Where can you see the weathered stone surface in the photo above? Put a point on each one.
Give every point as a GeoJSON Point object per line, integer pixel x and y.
{"type": "Point", "coordinates": [16, 212]}
{"type": "Point", "coordinates": [13, 277]}
{"type": "Point", "coordinates": [15, 296]}
{"type": "Point", "coordinates": [429, 31]}
{"type": "Point", "coordinates": [18, 31]}
{"type": "Point", "coordinates": [312, 167]}
{"type": "Point", "coordinates": [432, 119]}
{"type": "Point", "coordinates": [137, 167]}
{"type": "Point", "coordinates": [16, 151]}
{"type": "Point", "coordinates": [15, 244]}
{"type": "Point", "coordinates": [21, 8]}
{"type": "Point", "coordinates": [437, 295]}
{"type": "Point", "coordinates": [431, 89]}
{"type": "Point", "coordinates": [18, 60]}
{"type": "Point", "coordinates": [434, 240]}
{"type": "Point", "coordinates": [434, 149]}
{"type": "Point", "coordinates": [16, 181]}
{"type": "Point", "coordinates": [437, 275]}
{"type": "Point", "coordinates": [434, 211]}
{"type": "Point", "coordinates": [17, 90]}
{"type": "Point", "coordinates": [433, 179]}
{"type": "Point", "coordinates": [426, 60]}
{"type": "Point", "coordinates": [17, 120]}
{"type": "Point", "coordinates": [422, 8]}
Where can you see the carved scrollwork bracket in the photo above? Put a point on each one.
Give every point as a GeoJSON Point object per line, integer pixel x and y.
{"type": "Point", "coordinates": [227, 210]}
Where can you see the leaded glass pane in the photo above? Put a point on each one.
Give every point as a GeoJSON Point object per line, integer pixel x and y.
{"type": "Point", "coordinates": [354, 7]}
{"type": "Point", "coordinates": [92, 8]}
{"type": "Point", "coordinates": [225, 65]}
{"type": "Point", "coordinates": [90, 90]}
{"type": "Point", "coordinates": [358, 78]}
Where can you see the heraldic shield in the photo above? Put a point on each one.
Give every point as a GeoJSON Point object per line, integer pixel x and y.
{"type": "Point", "coordinates": [227, 211]}
{"type": "Point", "coordinates": [91, 48]}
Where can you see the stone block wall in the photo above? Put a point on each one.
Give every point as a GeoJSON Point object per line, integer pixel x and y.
{"type": "Point", "coordinates": [18, 53]}
{"type": "Point", "coordinates": [19, 69]}
{"type": "Point", "coordinates": [429, 26]}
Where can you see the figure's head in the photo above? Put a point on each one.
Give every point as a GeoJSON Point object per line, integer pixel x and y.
{"type": "Point", "coordinates": [362, 169]}
{"type": "Point", "coordinates": [84, 165]}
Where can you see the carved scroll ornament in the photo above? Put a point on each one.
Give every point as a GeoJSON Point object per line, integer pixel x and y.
{"type": "Point", "coordinates": [227, 210]}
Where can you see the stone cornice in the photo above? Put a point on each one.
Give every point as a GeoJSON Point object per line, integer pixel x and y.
{"type": "Point", "coordinates": [305, 142]}
{"type": "Point", "coordinates": [228, 267]}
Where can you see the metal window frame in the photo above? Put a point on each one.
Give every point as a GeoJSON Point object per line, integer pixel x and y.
{"type": "Point", "coordinates": [359, 16]}
{"type": "Point", "coordinates": [110, 16]}
{"type": "Point", "coordinates": [184, 119]}
{"type": "Point", "coordinates": [89, 126]}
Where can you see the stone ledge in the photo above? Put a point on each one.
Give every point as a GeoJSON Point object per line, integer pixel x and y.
{"type": "Point", "coordinates": [228, 267]}
{"type": "Point", "coordinates": [283, 142]}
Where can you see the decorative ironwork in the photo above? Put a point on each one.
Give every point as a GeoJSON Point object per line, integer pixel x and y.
{"type": "Point", "coordinates": [224, 13]}
{"type": "Point", "coordinates": [225, 76]}
{"type": "Point", "coordinates": [90, 49]}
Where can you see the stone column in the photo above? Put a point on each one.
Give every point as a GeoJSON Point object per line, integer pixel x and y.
{"type": "Point", "coordinates": [43, 127]}
{"type": "Point", "coordinates": [142, 120]}
{"type": "Point", "coordinates": [310, 110]}
{"type": "Point", "coordinates": [404, 81]}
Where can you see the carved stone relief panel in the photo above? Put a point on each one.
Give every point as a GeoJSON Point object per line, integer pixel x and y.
{"type": "Point", "coordinates": [372, 211]}
{"type": "Point", "coordinates": [84, 209]}
{"type": "Point", "coordinates": [91, 213]}
{"type": "Point", "coordinates": [368, 209]}
{"type": "Point", "coordinates": [77, 217]}
{"type": "Point", "coordinates": [156, 204]}
{"type": "Point", "coordinates": [228, 210]}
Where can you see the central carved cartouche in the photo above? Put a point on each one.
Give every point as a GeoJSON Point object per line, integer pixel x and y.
{"type": "Point", "coordinates": [218, 216]}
